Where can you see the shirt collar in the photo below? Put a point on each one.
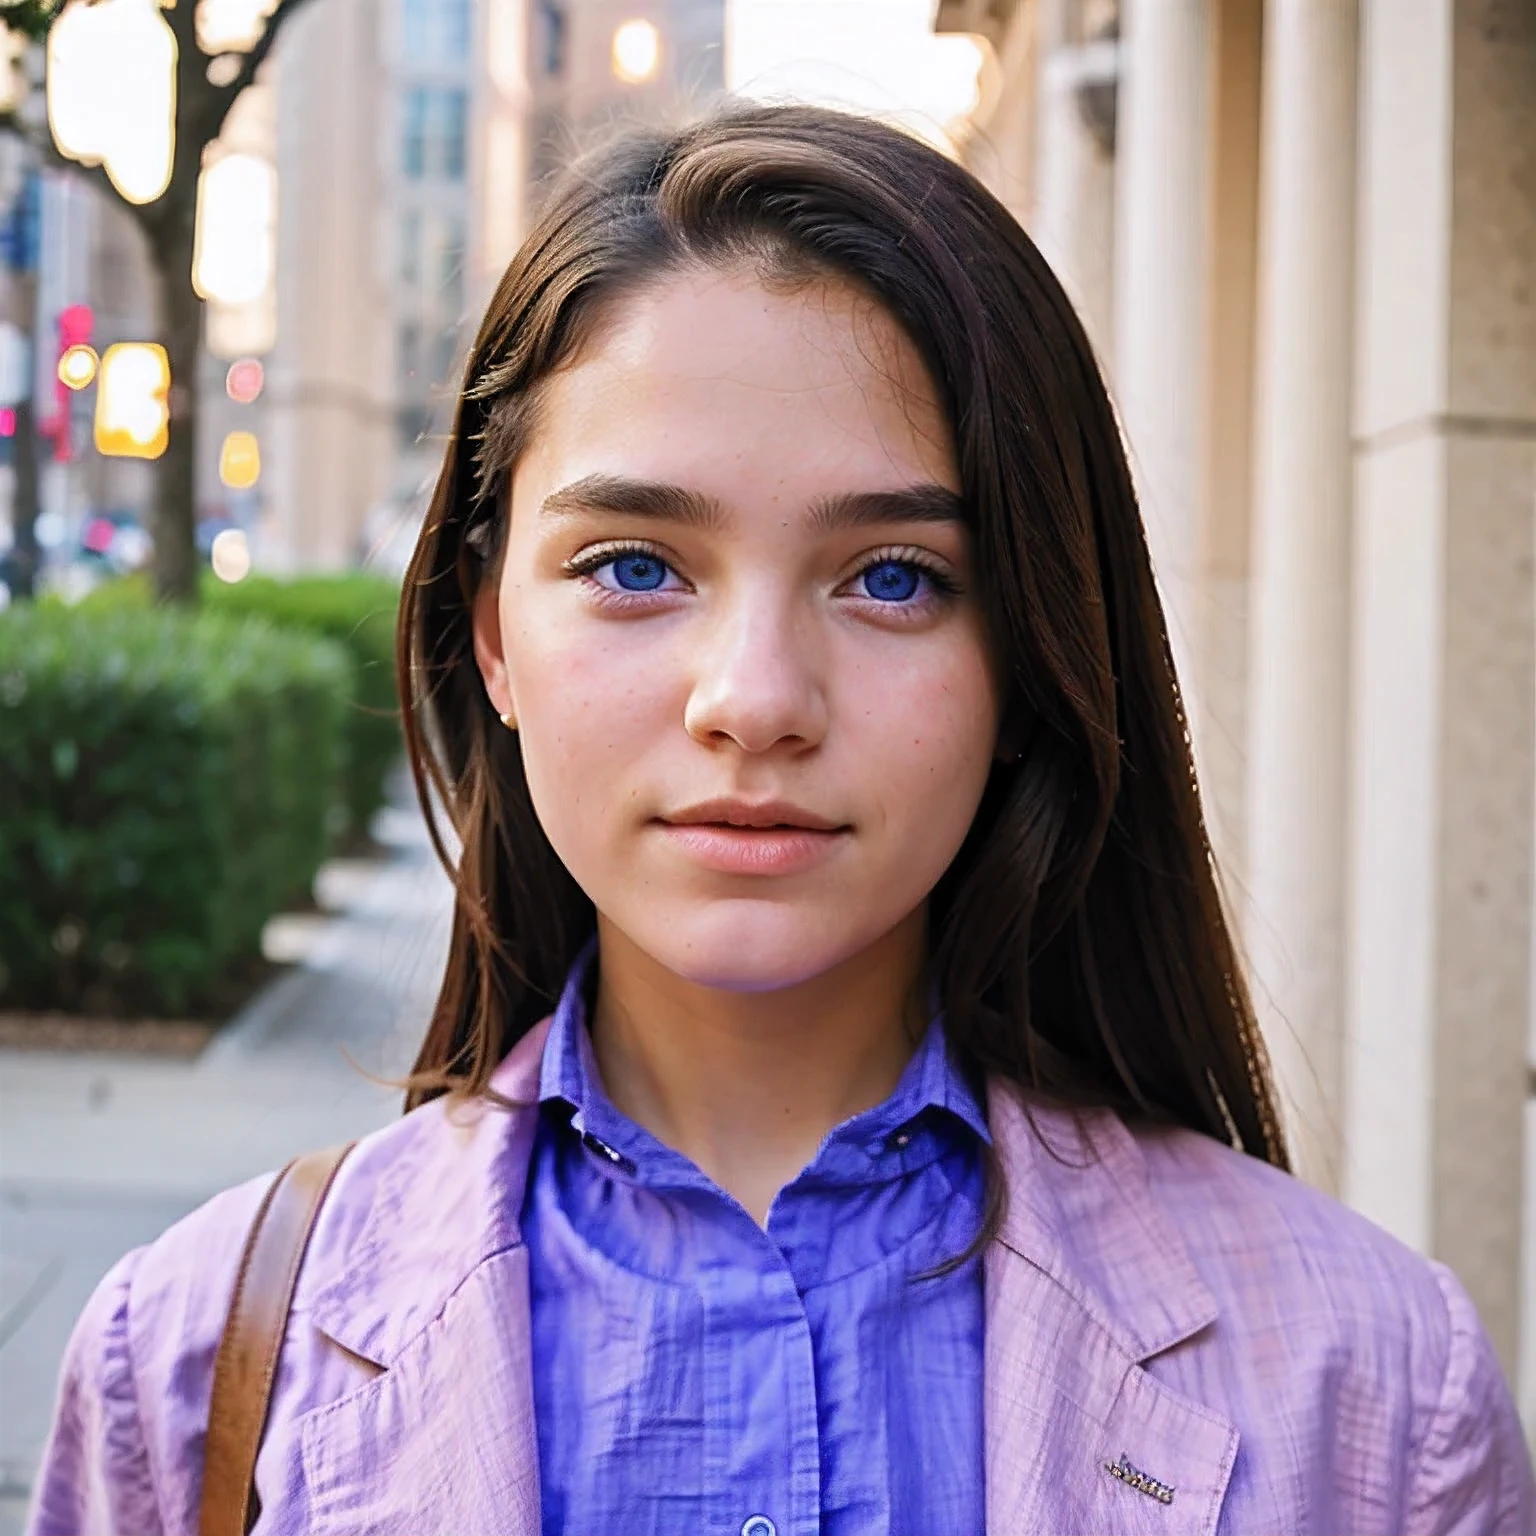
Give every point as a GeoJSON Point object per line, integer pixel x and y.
{"type": "Point", "coordinates": [932, 1080]}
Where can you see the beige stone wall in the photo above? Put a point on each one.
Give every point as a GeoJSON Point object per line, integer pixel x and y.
{"type": "Point", "coordinates": [1445, 680]}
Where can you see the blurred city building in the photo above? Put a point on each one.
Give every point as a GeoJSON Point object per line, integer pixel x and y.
{"type": "Point", "coordinates": [330, 396]}
{"type": "Point", "coordinates": [1303, 236]}
{"type": "Point", "coordinates": [592, 63]}
{"type": "Point", "coordinates": [427, 215]}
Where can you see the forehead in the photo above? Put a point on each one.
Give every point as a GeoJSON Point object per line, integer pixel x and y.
{"type": "Point", "coordinates": [746, 393]}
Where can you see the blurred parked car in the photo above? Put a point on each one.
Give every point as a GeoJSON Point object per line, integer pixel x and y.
{"type": "Point", "coordinates": [115, 540]}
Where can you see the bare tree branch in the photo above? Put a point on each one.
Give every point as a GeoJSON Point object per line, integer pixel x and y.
{"type": "Point", "coordinates": [31, 18]}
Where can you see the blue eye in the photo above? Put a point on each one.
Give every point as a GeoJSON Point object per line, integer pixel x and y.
{"type": "Point", "coordinates": [638, 572]}
{"type": "Point", "coordinates": [892, 581]}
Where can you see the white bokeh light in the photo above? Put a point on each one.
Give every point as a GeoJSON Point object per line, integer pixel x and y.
{"type": "Point", "coordinates": [112, 92]}
{"type": "Point", "coordinates": [230, 555]}
{"type": "Point", "coordinates": [236, 229]}
{"type": "Point", "coordinates": [231, 26]}
{"type": "Point", "coordinates": [636, 51]}
{"type": "Point", "coordinates": [875, 56]}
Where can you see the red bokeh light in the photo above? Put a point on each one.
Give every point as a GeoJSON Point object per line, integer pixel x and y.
{"type": "Point", "coordinates": [244, 380]}
{"type": "Point", "coordinates": [98, 535]}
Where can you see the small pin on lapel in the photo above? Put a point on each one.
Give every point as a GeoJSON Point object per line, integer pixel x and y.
{"type": "Point", "coordinates": [1139, 1480]}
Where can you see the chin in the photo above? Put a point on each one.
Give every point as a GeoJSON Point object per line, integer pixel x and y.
{"type": "Point", "coordinates": [748, 946]}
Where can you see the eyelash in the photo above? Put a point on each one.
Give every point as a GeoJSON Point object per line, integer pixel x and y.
{"type": "Point", "coordinates": [944, 585]}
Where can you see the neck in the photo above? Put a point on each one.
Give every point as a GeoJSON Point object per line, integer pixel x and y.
{"type": "Point", "coordinates": [747, 1085]}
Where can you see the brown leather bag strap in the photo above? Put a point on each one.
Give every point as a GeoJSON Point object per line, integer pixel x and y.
{"type": "Point", "coordinates": [246, 1365]}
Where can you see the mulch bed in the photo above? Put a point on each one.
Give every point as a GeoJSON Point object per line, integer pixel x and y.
{"type": "Point", "coordinates": [79, 1032]}
{"type": "Point", "coordinates": [56, 1030]}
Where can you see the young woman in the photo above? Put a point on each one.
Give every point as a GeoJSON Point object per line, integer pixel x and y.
{"type": "Point", "coordinates": [843, 1112]}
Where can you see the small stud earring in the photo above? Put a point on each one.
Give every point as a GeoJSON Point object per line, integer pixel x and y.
{"type": "Point", "coordinates": [509, 720]}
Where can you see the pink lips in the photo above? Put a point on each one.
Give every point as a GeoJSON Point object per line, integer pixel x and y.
{"type": "Point", "coordinates": [736, 837]}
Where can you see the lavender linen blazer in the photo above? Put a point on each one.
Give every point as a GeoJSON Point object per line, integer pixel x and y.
{"type": "Point", "coordinates": [1154, 1300]}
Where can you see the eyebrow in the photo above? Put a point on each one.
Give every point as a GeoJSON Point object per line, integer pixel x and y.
{"type": "Point", "coordinates": [635, 498]}
{"type": "Point", "coordinates": [926, 502]}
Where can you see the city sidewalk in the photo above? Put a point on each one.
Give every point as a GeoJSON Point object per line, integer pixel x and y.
{"type": "Point", "coordinates": [99, 1153]}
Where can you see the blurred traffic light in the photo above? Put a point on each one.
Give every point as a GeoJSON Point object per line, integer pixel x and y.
{"type": "Point", "coordinates": [132, 412]}
{"type": "Point", "coordinates": [78, 365]}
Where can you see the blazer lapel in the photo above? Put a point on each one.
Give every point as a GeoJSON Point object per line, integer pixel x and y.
{"type": "Point", "coordinates": [442, 1441]}
{"type": "Point", "coordinates": [1085, 1284]}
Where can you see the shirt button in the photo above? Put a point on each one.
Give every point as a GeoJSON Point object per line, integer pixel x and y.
{"type": "Point", "coordinates": [758, 1525]}
{"type": "Point", "coordinates": [613, 1155]}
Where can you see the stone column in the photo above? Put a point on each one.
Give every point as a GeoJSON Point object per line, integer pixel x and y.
{"type": "Point", "coordinates": [1162, 211]}
{"type": "Point", "coordinates": [1444, 691]}
{"type": "Point", "coordinates": [1074, 206]}
{"type": "Point", "coordinates": [1302, 497]}
{"type": "Point", "coordinates": [1231, 306]}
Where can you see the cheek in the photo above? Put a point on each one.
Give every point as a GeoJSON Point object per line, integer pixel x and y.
{"type": "Point", "coordinates": [928, 721]}
{"type": "Point", "coordinates": [589, 702]}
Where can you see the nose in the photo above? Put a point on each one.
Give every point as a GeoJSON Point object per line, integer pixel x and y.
{"type": "Point", "coordinates": [758, 679]}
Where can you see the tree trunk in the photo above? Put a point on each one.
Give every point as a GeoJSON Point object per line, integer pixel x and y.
{"type": "Point", "coordinates": [181, 326]}
{"type": "Point", "coordinates": [25, 554]}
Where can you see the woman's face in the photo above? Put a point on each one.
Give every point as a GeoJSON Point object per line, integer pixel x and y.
{"type": "Point", "coordinates": [735, 624]}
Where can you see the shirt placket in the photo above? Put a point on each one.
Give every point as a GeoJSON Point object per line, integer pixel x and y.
{"type": "Point", "coordinates": [763, 1456]}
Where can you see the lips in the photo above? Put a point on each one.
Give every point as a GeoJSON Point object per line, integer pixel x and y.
{"type": "Point", "coordinates": [752, 838]}
{"type": "Point", "coordinates": [762, 815]}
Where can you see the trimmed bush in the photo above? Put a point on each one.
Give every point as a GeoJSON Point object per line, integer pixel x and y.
{"type": "Point", "coordinates": [356, 609]}
{"type": "Point", "coordinates": [165, 783]}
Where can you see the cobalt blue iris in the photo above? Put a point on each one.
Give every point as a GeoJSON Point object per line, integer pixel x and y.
{"type": "Point", "coordinates": [891, 581]}
{"type": "Point", "coordinates": [639, 573]}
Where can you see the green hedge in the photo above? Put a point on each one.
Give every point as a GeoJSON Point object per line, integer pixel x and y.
{"type": "Point", "coordinates": [165, 784]}
{"type": "Point", "coordinates": [357, 609]}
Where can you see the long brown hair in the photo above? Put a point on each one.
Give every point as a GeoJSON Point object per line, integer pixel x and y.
{"type": "Point", "coordinates": [1078, 939]}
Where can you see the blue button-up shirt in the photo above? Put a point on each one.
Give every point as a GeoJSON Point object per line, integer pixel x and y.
{"type": "Point", "coordinates": [695, 1374]}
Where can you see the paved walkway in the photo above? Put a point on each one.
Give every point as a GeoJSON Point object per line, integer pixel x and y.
{"type": "Point", "coordinates": [99, 1153]}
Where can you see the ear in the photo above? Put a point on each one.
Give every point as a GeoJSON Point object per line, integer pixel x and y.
{"type": "Point", "coordinates": [485, 625]}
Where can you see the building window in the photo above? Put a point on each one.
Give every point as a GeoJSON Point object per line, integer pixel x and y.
{"type": "Point", "coordinates": [413, 423]}
{"type": "Point", "coordinates": [454, 110]}
{"type": "Point", "coordinates": [410, 248]}
{"type": "Point", "coordinates": [408, 343]}
{"type": "Point", "coordinates": [447, 354]}
{"type": "Point", "coordinates": [447, 271]}
{"type": "Point", "coordinates": [413, 148]}
{"type": "Point", "coordinates": [435, 31]}
{"type": "Point", "coordinates": [549, 36]}
{"type": "Point", "coordinates": [435, 129]}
